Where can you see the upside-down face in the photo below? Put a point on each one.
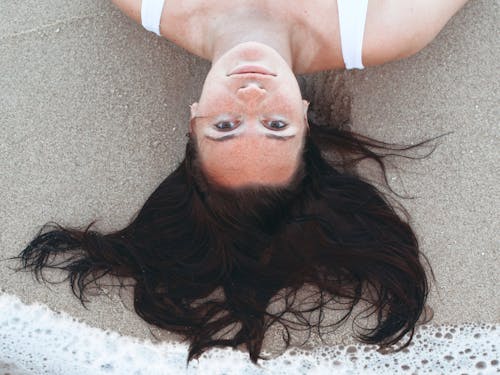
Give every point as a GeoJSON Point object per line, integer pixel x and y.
{"type": "Point", "coordinates": [250, 121]}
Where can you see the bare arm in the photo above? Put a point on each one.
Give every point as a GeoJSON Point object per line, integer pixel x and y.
{"type": "Point", "coordinates": [131, 8]}
{"type": "Point", "coordinates": [180, 21]}
{"type": "Point", "coordinates": [396, 29]}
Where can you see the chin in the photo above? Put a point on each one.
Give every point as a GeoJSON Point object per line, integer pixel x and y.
{"type": "Point", "coordinates": [254, 51]}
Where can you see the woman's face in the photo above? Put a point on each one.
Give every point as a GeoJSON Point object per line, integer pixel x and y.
{"type": "Point", "coordinates": [250, 127]}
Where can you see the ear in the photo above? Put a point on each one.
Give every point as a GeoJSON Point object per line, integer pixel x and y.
{"type": "Point", "coordinates": [305, 105]}
{"type": "Point", "coordinates": [194, 108]}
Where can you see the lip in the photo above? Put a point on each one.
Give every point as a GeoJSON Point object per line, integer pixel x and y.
{"type": "Point", "coordinates": [251, 69]}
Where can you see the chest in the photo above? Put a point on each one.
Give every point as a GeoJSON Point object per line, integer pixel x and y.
{"type": "Point", "coordinates": [277, 8]}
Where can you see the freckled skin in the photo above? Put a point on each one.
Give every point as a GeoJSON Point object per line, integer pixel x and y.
{"type": "Point", "coordinates": [241, 162]}
{"type": "Point", "coordinates": [251, 158]}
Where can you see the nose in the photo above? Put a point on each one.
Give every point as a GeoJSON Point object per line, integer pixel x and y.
{"type": "Point", "coordinates": [251, 91]}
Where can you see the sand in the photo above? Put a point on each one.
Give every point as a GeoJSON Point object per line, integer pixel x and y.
{"type": "Point", "coordinates": [93, 116]}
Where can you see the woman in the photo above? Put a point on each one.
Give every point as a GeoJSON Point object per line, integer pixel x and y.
{"type": "Point", "coordinates": [255, 207]}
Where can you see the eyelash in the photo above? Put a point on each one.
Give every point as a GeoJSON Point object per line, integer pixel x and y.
{"type": "Point", "coordinates": [285, 124]}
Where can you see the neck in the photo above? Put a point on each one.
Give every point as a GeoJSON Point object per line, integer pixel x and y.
{"type": "Point", "coordinates": [229, 31]}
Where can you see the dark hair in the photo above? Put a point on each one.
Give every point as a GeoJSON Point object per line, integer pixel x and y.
{"type": "Point", "coordinates": [330, 228]}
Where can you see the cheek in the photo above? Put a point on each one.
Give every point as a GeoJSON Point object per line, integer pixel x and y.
{"type": "Point", "coordinates": [294, 98]}
{"type": "Point", "coordinates": [215, 98]}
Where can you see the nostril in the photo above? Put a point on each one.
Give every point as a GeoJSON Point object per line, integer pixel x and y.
{"type": "Point", "coordinates": [254, 84]}
{"type": "Point", "coordinates": [252, 88]}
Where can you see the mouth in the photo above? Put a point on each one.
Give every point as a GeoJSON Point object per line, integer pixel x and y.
{"type": "Point", "coordinates": [251, 69]}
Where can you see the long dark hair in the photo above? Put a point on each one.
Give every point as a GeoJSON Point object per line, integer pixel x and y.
{"type": "Point", "coordinates": [330, 228]}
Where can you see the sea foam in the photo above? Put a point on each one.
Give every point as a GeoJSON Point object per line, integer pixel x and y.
{"type": "Point", "coordinates": [37, 340]}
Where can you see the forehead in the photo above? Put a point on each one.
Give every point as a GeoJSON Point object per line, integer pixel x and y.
{"type": "Point", "coordinates": [250, 159]}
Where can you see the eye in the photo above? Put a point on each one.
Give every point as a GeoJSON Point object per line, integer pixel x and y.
{"type": "Point", "coordinates": [227, 125]}
{"type": "Point", "coordinates": [277, 124]}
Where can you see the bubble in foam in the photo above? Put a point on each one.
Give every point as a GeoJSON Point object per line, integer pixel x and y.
{"type": "Point", "coordinates": [481, 364]}
{"type": "Point", "coordinates": [36, 340]}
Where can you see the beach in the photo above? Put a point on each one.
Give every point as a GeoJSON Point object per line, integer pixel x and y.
{"type": "Point", "coordinates": [93, 116]}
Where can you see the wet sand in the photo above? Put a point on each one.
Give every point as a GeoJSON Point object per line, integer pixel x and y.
{"type": "Point", "coordinates": [94, 109]}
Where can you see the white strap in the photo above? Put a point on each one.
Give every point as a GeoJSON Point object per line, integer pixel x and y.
{"type": "Point", "coordinates": [151, 14]}
{"type": "Point", "coordinates": [352, 18]}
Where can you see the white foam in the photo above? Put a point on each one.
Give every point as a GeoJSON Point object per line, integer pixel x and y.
{"type": "Point", "coordinates": [40, 341]}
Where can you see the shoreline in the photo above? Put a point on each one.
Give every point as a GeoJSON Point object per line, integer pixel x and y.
{"type": "Point", "coordinates": [70, 346]}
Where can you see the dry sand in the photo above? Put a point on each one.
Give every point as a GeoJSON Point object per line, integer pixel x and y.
{"type": "Point", "coordinates": [93, 113]}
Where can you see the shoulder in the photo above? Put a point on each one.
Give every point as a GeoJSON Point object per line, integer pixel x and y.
{"type": "Point", "coordinates": [396, 29]}
{"type": "Point", "coordinates": [181, 21]}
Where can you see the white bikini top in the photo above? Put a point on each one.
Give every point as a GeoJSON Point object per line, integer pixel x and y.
{"type": "Point", "coordinates": [352, 18]}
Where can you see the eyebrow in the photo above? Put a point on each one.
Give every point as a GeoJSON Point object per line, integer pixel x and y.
{"type": "Point", "coordinates": [231, 136]}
